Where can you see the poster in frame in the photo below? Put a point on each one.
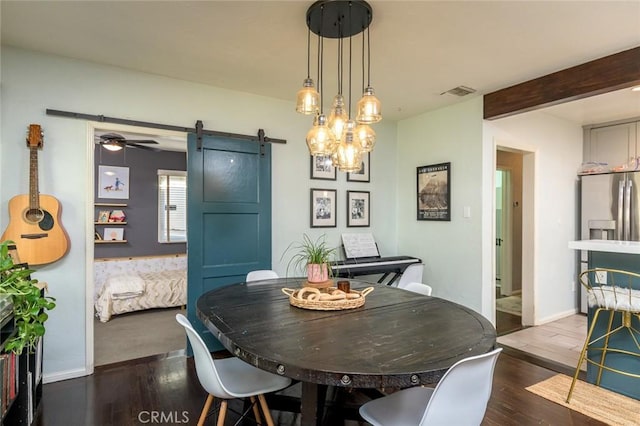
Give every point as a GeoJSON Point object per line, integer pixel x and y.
{"type": "Point", "coordinates": [322, 167]}
{"type": "Point", "coordinates": [113, 182]}
{"type": "Point", "coordinates": [358, 203]}
{"type": "Point", "coordinates": [323, 208]}
{"type": "Point", "coordinates": [434, 192]}
{"type": "Point", "coordinates": [364, 173]}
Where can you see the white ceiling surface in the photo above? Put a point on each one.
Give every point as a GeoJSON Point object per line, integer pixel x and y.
{"type": "Point", "coordinates": [419, 49]}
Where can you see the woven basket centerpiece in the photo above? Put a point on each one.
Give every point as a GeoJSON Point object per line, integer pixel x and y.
{"type": "Point", "coordinates": [326, 299]}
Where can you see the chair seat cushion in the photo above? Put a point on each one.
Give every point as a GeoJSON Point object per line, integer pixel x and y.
{"type": "Point", "coordinates": [405, 407]}
{"type": "Point", "coordinates": [241, 379]}
{"type": "Point", "coordinates": [613, 297]}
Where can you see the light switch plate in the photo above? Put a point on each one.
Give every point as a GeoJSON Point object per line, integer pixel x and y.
{"type": "Point", "coordinates": [601, 277]}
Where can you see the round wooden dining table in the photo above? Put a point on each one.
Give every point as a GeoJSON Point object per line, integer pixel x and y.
{"type": "Point", "coordinates": [397, 339]}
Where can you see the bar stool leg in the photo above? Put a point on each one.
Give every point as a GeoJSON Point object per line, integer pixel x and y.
{"type": "Point", "coordinates": [583, 353]}
{"type": "Point", "coordinates": [605, 347]}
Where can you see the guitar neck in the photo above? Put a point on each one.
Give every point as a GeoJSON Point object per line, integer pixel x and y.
{"type": "Point", "coordinates": [34, 202]}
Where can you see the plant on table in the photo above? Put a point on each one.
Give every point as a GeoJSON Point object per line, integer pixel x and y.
{"type": "Point", "coordinates": [312, 256]}
{"type": "Point", "coordinates": [29, 305]}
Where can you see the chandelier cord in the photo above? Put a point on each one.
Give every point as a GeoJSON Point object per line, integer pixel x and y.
{"type": "Point", "coordinates": [363, 62]}
{"type": "Point", "coordinates": [368, 57]}
{"type": "Point", "coordinates": [309, 53]}
{"type": "Point", "coordinates": [321, 64]}
{"type": "Point", "coordinates": [350, 38]}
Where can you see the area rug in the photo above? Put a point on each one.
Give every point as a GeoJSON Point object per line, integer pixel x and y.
{"type": "Point", "coordinates": [590, 400]}
{"type": "Point", "coordinates": [510, 304]}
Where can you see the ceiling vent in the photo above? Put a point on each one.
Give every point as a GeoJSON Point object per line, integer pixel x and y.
{"type": "Point", "coordinates": [460, 91]}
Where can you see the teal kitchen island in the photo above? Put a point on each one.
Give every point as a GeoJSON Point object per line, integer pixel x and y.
{"type": "Point", "coordinates": [621, 255]}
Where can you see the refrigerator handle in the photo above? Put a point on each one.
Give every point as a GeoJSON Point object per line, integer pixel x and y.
{"type": "Point", "coordinates": [627, 210]}
{"type": "Point", "coordinates": [620, 223]}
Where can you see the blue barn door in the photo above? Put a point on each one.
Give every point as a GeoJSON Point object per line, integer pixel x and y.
{"type": "Point", "coordinates": [229, 216]}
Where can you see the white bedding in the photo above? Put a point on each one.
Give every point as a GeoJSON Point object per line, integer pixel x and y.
{"type": "Point", "coordinates": [138, 291]}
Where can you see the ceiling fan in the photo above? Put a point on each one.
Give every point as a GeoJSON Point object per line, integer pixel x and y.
{"type": "Point", "coordinates": [115, 142]}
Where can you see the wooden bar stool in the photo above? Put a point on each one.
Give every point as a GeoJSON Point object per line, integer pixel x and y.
{"type": "Point", "coordinates": [618, 293]}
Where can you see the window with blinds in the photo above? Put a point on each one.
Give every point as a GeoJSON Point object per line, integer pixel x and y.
{"type": "Point", "coordinates": [172, 206]}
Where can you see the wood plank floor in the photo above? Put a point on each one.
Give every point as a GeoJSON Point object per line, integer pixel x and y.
{"type": "Point", "coordinates": [129, 393]}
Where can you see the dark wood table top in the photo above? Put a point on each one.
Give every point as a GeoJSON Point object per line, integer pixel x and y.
{"type": "Point", "coordinates": [397, 339]}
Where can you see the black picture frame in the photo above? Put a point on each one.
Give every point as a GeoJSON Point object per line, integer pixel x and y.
{"type": "Point", "coordinates": [433, 183]}
{"type": "Point", "coordinates": [358, 209]}
{"type": "Point", "coordinates": [321, 167]}
{"type": "Point", "coordinates": [365, 172]}
{"type": "Point", "coordinates": [323, 208]}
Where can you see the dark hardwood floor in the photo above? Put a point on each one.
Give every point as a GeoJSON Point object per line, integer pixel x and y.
{"type": "Point", "coordinates": [132, 392]}
{"type": "Point", "coordinates": [507, 323]}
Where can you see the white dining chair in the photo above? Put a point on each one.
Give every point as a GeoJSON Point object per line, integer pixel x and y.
{"type": "Point", "coordinates": [413, 273]}
{"type": "Point", "coordinates": [230, 378]}
{"type": "Point", "coordinates": [460, 398]}
{"type": "Point", "coordinates": [417, 288]}
{"type": "Point", "coordinates": [261, 274]}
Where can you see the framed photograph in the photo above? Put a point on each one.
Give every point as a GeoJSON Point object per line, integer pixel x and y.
{"type": "Point", "coordinates": [357, 208]}
{"type": "Point", "coordinates": [434, 192]}
{"type": "Point", "coordinates": [103, 216]}
{"type": "Point", "coordinates": [113, 234]}
{"type": "Point", "coordinates": [322, 167]}
{"type": "Point", "coordinates": [113, 182]}
{"type": "Point", "coordinates": [323, 208]}
{"type": "Point", "coordinates": [363, 174]}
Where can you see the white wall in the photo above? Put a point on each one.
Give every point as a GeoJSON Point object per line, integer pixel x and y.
{"type": "Point", "coordinates": [451, 251]}
{"type": "Point", "coordinates": [33, 82]}
{"type": "Point", "coordinates": [557, 147]}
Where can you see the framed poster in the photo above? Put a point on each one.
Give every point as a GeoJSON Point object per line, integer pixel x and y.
{"type": "Point", "coordinates": [357, 208]}
{"type": "Point", "coordinates": [322, 167]}
{"type": "Point", "coordinates": [113, 182]}
{"type": "Point", "coordinates": [113, 234]}
{"type": "Point", "coordinates": [323, 208]}
{"type": "Point", "coordinates": [363, 174]}
{"type": "Point", "coordinates": [434, 192]}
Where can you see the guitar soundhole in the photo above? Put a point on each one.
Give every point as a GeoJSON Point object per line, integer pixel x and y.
{"type": "Point", "coordinates": [42, 217]}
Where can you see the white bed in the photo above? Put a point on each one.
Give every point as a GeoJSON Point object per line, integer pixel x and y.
{"type": "Point", "coordinates": [135, 291]}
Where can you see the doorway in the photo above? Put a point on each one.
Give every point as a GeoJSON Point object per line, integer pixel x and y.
{"type": "Point", "coordinates": [508, 242]}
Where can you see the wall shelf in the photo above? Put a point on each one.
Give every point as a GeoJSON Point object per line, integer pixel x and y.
{"type": "Point", "coordinates": [110, 223]}
{"type": "Point", "coordinates": [110, 205]}
{"type": "Point", "coordinates": [110, 241]}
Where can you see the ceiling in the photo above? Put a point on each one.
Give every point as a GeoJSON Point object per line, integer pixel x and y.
{"type": "Point", "coordinates": [419, 49]}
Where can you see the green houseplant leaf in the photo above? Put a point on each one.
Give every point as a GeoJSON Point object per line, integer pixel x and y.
{"type": "Point", "coordinates": [29, 305]}
{"type": "Point", "coordinates": [308, 251]}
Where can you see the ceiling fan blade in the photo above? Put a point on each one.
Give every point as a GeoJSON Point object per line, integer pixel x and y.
{"type": "Point", "coordinates": [146, 148]}
{"type": "Point", "coordinates": [129, 141]}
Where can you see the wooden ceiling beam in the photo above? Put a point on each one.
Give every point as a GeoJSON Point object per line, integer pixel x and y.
{"type": "Point", "coordinates": [596, 77]}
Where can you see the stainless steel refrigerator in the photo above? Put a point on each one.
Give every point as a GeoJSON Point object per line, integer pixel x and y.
{"type": "Point", "coordinates": [609, 211]}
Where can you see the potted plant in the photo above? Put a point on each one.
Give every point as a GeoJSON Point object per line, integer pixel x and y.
{"type": "Point", "coordinates": [29, 305]}
{"type": "Point", "coordinates": [311, 257]}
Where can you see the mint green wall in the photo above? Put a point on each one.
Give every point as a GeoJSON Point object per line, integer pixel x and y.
{"type": "Point", "coordinates": [450, 250]}
{"type": "Point", "coordinates": [33, 82]}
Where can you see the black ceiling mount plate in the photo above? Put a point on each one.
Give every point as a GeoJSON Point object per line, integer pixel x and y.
{"type": "Point", "coordinates": [339, 18]}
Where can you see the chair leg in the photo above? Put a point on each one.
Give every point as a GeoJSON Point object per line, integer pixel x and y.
{"type": "Point", "coordinates": [265, 410]}
{"type": "Point", "coordinates": [583, 354]}
{"type": "Point", "coordinates": [256, 411]}
{"type": "Point", "coordinates": [205, 410]}
{"type": "Point", "coordinates": [605, 347]}
{"type": "Point", "coordinates": [222, 413]}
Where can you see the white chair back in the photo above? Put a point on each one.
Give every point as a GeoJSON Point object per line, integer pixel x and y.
{"type": "Point", "coordinates": [413, 273]}
{"type": "Point", "coordinates": [261, 274]}
{"type": "Point", "coordinates": [461, 396]}
{"type": "Point", "coordinates": [205, 366]}
{"type": "Point", "coordinates": [417, 288]}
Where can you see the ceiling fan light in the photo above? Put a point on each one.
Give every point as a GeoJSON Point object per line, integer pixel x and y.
{"type": "Point", "coordinates": [308, 98]}
{"type": "Point", "coordinates": [320, 139]}
{"type": "Point", "coordinates": [112, 146]}
{"type": "Point", "coordinates": [369, 107]}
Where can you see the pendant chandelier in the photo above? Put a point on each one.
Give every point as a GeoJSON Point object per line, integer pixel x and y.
{"type": "Point", "coordinates": [343, 136]}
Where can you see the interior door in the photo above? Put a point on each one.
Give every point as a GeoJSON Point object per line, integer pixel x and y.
{"type": "Point", "coordinates": [229, 216]}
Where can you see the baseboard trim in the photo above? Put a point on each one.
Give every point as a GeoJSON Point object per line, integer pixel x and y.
{"type": "Point", "coordinates": [556, 317]}
{"type": "Point", "coordinates": [64, 375]}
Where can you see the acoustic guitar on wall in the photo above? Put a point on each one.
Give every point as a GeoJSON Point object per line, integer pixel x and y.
{"type": "Point", "coordinates": [34, 218]}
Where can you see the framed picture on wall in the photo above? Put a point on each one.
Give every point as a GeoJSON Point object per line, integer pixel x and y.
{"type": "Point", "coordinates": [434, 192]}
{"type": "Point", "coordinates": [323, 208]}
{"type": "Point", "coordinates": [113, 234]}
{"type": "Point", "coordinates": [322, 167]}
{"type": "Point", "coordinates": [363, 174]}
{"type": "Point", "coordinates": [113, 182]}
{"type": "Point", "coordinates": [357, 208]}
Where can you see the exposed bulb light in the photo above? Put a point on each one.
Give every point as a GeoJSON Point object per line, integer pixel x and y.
{"type": "Point", "coordinates": [308, 99]}
{"type": "Point", "coordinates": [369, 107]}
{"type": "Point", "coordinates": [349, 150]}
{"type": "Point", "coordinates": [338, 117]}
{"type": "Point", "coordinates": [366, 136]}
{"type": "Point", "coordinates": [320, 139]}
